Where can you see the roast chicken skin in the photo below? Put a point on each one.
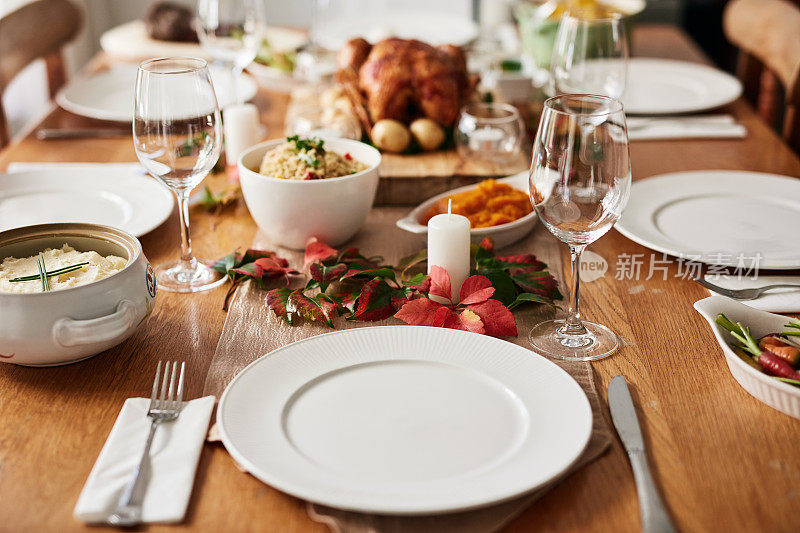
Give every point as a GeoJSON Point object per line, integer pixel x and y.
{"type": "Point", "coordinates": [405, 79]}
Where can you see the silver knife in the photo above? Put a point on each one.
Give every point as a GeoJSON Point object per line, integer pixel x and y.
{"type": "Point", "coordinates": [65, 133]}
{"type": "Point", "coordinates": [654, 517]}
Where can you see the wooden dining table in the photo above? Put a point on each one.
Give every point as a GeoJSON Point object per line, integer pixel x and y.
{"type": "Point", "coordinates": [723, 460]}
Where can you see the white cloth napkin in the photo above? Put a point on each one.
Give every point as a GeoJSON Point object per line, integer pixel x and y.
{"type": "Point", "coordinates": [685, 127]}
{"type": "Point", "coordinates": [173, 462]}
{"type": "Point", "coordinates": [776, 300]}
{"type": "Point", "coordinates": [24, 166]}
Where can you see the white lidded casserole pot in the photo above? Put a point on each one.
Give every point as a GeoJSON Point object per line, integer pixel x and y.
{"type": "Point", "coordinates": [64, 326]}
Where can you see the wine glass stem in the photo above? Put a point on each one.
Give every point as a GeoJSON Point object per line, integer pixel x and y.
{"type": "Point", "coordinates": [187, 259]}
{"type": "Point", "coordinates": [573, 324]}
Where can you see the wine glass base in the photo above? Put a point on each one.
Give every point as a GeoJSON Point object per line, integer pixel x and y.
{"type": "Point", "coordinates": [175, 277]}
{"type": "Point", "coordinates": [598, 342]}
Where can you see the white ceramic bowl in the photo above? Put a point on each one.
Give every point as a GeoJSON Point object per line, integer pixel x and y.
{"type": "Point", "coordinates": [289, 212]}
{"type": "Point", "coordinates": [59, 327]}
{"type": "Point", "coordinates": [781, 396]}
{"type": "Point", "coordinates": [502, 235]}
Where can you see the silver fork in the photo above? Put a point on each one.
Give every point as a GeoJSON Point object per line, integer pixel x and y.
{"type": "Point", "coordinates": [164, 407]}
{"type": "Point", "coordinates": [745, 294]}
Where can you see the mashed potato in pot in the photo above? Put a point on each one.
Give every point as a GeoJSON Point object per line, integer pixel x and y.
{"type": "Point", "coordinates": [307, 159]}
{"type": "Point", "coordinates": [98, 268]}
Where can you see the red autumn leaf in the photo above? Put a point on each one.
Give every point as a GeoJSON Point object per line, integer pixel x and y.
{"type": "Point", "coordinates": [476, 289]}
{"type": "Point", "coordinates": [420, 282]}
{"type": "Point", "coordinates": [375, 302]}
{"type": "Point", "coordinates": [528, 260]}
{"type": "Point", "coordinates": [424, 312]}
{"type": "Point", "coordinates": [440, 282]}
{"type": "Point", "coordinates": [470, 321]}
{"type": "Point", "coordinates": [250, 255]}
{"type": "Point", "coordinates": [317, 250]}
{"type": "Point", "coordinates": [277, 300]}
{"type": "Point", "coordinates": [497, 319]}
{"type": "Point", "coordinates": [325, 275]}
{"type": "Point", "coordinates": [275, 267]}
{"type": "Point", "coordinates": [487, 244]}
{"type": "Point", "coordinates": [542, 283]}
{"type": "Point", "coordinates": [309, 308]}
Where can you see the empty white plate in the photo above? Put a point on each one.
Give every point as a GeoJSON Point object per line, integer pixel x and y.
{"type": "Point", "coordinates": [664, 86]}
{"type": "Point", "coordinates": [109, 95]}
{"type": "Point", "coordinates": [131, 41]}
{"type": "Point", "coordinates": [404, 420]}
{"type": "Point", "coordinates": [426, 26]}
{"type": "Point", "coordinates": [126, 200]}
{"type": "Point", "coordinates": [717, 217]}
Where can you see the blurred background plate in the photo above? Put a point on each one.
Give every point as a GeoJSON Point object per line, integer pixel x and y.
{"type": "Point", "coordinates": [130, 41]}
{"type": "Point", "coordinates": [109, 95]}
{"type": "Point", "coordinates": [432, 28]}
{"type": "Point", "coordinates": [664, 86]}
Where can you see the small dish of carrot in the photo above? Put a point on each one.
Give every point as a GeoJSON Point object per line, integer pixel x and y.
{"type": "Point", "coordinates": [490, 203]}
{"type": "Point", "coordinates": [499, 209]}
{"type": "Point", "coordinates": [775, 354]}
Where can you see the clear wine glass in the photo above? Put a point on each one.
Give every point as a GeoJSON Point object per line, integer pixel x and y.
{"type": "Point", "coordinates": [177, 137]}
{"type": "Point", "coordinates": [580, 180]}
{"type": "Point", "coordinates": [231, 31]}
{"type": "Point", "coordinates": [590, 56]}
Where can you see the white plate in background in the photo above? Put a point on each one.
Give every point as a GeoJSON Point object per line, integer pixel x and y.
{"type": "Point", "coordinates": [404, 420]}
{"type": "Point", "coordinates": [130, 201]}
{"type": "Point", "coordinates": [665, 86]}
{"type": "Point", "coordinates": [130, 41]}
{"type": "Point", "coordinates": [431, 28]}
{"type": "Point", "coordinates": [717, 217]}
{"type": "Point", "coordinates": [109, 95]}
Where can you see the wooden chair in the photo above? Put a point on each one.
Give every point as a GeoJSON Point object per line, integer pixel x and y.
{"type": "Point", "coordinates": [767, 33]}
{"type": "Point", "coordinates": [39, 29]}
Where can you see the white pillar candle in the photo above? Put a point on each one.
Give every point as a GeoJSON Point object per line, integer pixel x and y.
{"type": "Point", "coordinates": [241, 125]}
{"type": "Point", "coordinates": [448, 248]}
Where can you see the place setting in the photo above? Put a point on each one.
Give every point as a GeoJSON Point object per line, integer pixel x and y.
{"type": "Point", "coordinates": [389, 299]}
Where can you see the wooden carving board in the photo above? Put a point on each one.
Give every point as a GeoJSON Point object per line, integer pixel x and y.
{"type": "Point", "coordinates": [411, 179]}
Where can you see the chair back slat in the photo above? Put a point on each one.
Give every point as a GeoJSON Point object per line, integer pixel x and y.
{"type": "Point", "coordinates": [39, 29]}
{"type": "Point", "coordinates": [767, 34]}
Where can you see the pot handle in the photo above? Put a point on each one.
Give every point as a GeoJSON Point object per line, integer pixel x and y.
{"type": "Point", "coordinates": [69, 332]}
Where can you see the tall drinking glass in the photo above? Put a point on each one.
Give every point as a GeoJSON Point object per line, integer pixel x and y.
{"type": "Point", "coordinates": [590, 56]}
{"type": "Point", "coordinates": [580, 180]}
{"type": "Point", "coordinates": [177, 137]}
{"type": "Point", "coordinates": [231, 31]}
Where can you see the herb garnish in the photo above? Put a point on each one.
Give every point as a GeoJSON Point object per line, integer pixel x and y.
{"type": "Point", "coordinates": [62, 270]}
{"type": "Point", "coordinates": [308, 159]}
{"type": "Point", "coordinates": [314, 143]}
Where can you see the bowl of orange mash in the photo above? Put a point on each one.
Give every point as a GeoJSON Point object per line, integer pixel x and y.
{"type": "Point", "coordinates": [500, 209]}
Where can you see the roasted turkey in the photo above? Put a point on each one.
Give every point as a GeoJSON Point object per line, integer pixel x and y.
{"type": "Point", "coordinates": [405, 79]}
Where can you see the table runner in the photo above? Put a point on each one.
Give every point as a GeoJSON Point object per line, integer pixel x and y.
{"type": "Point", "coordinates": [251, 330]}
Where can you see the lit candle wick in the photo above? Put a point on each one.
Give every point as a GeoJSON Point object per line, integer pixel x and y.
{"type": "Point", "coordinates": [450, 207]}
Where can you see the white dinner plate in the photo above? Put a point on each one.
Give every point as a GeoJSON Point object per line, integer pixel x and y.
{"type": "Point", "coordinates": [404, 420]}
{"type": "Point", "coordinates": [717, 217]}
{"type": "Point", "coordinates": [431, 28]}
{"type": "Point", "coordinates": [109, 95]}
{"type": "Point", "coordinates": [664, 86]}
{"type": "Point", "coordinates": [130, 41]}
{"type": "Point", "coordinates": [126, 200]}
